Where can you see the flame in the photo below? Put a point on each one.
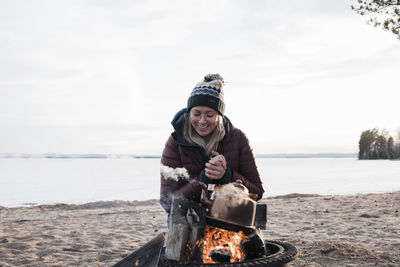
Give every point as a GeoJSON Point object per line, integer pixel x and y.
{"type": "Point", "coordinates": [224, 241]}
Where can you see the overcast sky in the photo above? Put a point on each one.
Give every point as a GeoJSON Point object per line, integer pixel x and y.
{"type": "Point", "coordinates": [108, 76]}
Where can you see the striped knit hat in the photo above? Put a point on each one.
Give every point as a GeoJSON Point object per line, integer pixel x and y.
{"type": "Point", "coordinates": [208, 92]}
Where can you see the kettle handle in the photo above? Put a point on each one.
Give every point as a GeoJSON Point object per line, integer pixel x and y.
{"type": "Point", "coordinates": [204, 195]}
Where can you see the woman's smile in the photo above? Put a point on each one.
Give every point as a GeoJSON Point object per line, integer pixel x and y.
{"type": "Point", "coordinates": [203, 120]}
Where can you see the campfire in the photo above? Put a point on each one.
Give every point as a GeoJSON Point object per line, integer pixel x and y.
{"type": "Point", "coordinates": [224, 229]}
{"type": "Point", "coordinates": [220, 230]}
{"type": "Point", "coordinates": [220, 245]}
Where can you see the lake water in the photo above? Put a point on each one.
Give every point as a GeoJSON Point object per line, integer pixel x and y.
{"type": "Point", "coordinates": [34, 181]}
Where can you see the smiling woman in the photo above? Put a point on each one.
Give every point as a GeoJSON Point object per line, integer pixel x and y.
{"type": "Point", "coordinates": [206, 144]}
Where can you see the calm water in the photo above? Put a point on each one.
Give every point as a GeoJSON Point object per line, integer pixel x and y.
{"type": "Point", "coordinates": [48, 181]}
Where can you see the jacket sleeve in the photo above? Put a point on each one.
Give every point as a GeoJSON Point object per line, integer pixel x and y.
{"type": "Point", "coordinates": [247, 171]}
{"type": "Point", "coordinates": [176, 180]}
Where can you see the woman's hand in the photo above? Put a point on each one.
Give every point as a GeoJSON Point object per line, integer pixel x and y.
{"type": "Point", "coordinates": [216, 166]}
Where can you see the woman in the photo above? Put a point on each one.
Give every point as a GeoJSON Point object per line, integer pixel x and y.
{"type": "Point", "coordinates": [205, 147]}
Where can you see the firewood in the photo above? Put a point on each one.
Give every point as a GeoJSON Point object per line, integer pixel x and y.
{"type": "Point", "coordinates": [186, 227]}
{"type": "Point", "coordinates": [176, 241]}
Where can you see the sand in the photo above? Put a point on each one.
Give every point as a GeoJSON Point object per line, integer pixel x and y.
{"type": "Point", "coordinates": [352, 230]}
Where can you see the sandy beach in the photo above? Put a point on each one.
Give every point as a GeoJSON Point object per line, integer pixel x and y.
{"type": "Point", "coordinates": [350, 230]}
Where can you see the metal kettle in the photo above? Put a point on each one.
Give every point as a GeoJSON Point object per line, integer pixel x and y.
{"type": "Point", "coordinates": [231, 203]}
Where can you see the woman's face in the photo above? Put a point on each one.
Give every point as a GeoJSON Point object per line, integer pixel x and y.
{"type": "Point", "coordinates": [203, 120]}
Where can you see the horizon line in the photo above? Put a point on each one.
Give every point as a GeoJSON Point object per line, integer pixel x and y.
{"type": "Point", "coordinates": [144, 156]}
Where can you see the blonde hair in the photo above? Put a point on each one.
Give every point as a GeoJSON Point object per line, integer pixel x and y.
{"type": "Point", "coordinates": [216, 136]}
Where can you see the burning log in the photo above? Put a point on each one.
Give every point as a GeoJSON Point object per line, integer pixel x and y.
{"type": "Point", "coordinates": [254, 246]}
{"type": "Point", "coordinates": [220, 256]}
{"type": "Point", "coordinates": [219, 245]}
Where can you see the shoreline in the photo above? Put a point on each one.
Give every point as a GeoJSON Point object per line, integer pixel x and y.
{"type": "Point", "coordinates": [328, 230]}
{"type": "Point", "coordinates": [112, 203]}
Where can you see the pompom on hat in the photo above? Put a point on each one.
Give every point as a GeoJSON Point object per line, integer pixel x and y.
{"type": "Point", "coordinates": [208, 92]}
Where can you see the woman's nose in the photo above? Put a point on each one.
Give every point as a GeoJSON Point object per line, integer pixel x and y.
{"type": "Point", "coordinates": [202, 119]}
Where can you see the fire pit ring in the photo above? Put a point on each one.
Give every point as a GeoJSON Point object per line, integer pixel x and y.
{"type": "Point", "coordinates": [152, 254]}
{"type": "Point", "coordinates": [279, 253]}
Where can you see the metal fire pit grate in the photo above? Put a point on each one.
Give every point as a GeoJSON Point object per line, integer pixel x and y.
{"type": "Point", "coordinates": [279, 254]}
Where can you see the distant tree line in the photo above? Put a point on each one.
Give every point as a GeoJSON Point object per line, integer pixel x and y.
{"type": "Point", "coordinates": [378, 145]}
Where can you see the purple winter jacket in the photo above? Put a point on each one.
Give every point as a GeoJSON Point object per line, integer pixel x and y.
{"type": "Point", "coordinates": [180, 153]}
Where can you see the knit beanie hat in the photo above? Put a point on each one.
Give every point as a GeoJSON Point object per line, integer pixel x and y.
{"type": "Point", "coordinates": [208, 92]}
